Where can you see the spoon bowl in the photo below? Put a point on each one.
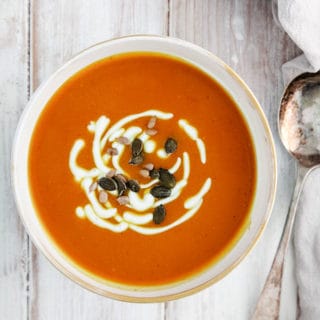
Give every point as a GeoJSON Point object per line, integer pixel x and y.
{"type": "Point", "coordinates": [299, 129]}
{"type": "Point", "coordinates": [299, 119]}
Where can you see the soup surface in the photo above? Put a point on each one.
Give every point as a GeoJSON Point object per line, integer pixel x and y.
{"type": "Point", "coordinates": [185, 124]}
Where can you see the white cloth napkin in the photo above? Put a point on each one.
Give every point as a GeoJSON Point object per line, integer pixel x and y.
{"type": "Point", "coordinates": [301, 20]}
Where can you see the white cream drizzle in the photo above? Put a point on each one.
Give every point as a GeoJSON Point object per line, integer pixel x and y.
{"type": "Point", "coordinates": [140, 204]}
{"type": "Point", "coordinates": [139, 210]}
{"type": "Point", "coordinates": [176, 166]}
{"type": "Point", "coordinates": [150, 146]}
{"type": "Point", "coordinates": [144, 137]}
{"type": "Point", "coordinates": [78, 172]}
{"type": "Point", "coordinates": [80, 212]}
{"type": "Point", "coordinates": [192, 132]}
{"type": "Point", "coordinates": [117, 134]}
{"type": "Point", "coordinates": [101, 211]}
{"type": "Point", "coordinates": [161, 153]}
{"type": "Point", "coordinates": [152, 231]}
{"type": "Point", "coordinates": [121, 123]}
{"type": "Point", "coordinates": [149, 184]}
{"type": "Point", "coordinates": [137, 218]}
{"type": "Point", "coordinates": [103, 223]}
{"type": "Point", "coordinates": [193, 201]}
{"type": "Point", "coordinates": [100, 126]}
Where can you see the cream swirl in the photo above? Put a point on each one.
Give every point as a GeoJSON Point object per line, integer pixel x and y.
{"type": "Point", "coordinates": [139, 210]}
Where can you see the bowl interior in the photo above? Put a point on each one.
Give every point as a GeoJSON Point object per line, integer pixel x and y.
{"type": "Point", "coordinates": [251, 111]}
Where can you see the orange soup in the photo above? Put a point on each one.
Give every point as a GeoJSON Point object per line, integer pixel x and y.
{"type": "Point", "coordinates": [142, 169]}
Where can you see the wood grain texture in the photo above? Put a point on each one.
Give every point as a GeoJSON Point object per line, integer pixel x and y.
{"type": "Point", "coordinates": [14, 263]}
{"type": "Point", "coordinates": [244, 35]}
{"type": "Point", "coordinates": [38, 36]}
{"type": "Point", "coordinates": [60, 30]}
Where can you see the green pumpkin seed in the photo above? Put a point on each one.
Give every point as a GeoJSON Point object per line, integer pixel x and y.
{"type": "Point", "coordinates": [122, 177]}
{"type": "Point", "coordinates": [159, 214]}
{"type": "Point", "coordinates": [171, 145]}
{"type": "Point", "coordinates": [136, 147]}
{"type": "Point", "coordinates": [121, 186]}
{"type": "Point", "coordinates": [166, 178]}
{"type": "Point", "coordinates": [138, 159]}
{"type": "Point", "coordinates": [133, 185]}
{"type": "Point", "coordinates": [160, 192]}
{"type": "Point", "coordinates": [154, 174]}
{"type": "Point", "coordinates": [107, 184]}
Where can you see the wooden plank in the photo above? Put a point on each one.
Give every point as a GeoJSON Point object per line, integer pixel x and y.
{"type": "Point", "coordinates": [244, 35]}
{"type": "Point", "coordinates": [61, 29]}
{"type": "Point", "coordinates": [14, 262]}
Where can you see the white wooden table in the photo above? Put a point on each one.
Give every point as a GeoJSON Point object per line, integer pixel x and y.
{"type": "Point", "coordinates": [36, 37]}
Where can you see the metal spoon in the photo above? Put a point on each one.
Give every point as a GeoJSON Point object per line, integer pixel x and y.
{"type": "Point", "coordinates": [299, 129]}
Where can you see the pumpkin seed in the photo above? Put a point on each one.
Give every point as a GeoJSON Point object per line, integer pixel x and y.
{"type": "Point", "coordinates": [136, 147]}
{"type": "Point", "coordinates": [152, 122]}
{"type": "Point", "coordinates": [171, 145]}
{"type": "Point", "coordinates": [166, 178]}
{"type": "Point", "coordinates": [151, 132]}
{"type": "Point", "coordinates": [121, 186]}
{"type": "Point", "coordinates": [159, 214]}
{"type": "Point", "coordinates": [160, 192]}
{"type": "Point", "coordinates": [103, 196]}
{"type": "Point", "coordinates": [107, 184]}
{"type": "Point", "coordinates": [154, 174]}
{"type": "Point", "coordinates": [93, 186]}
{"type": "Point", "coordinates": [138, 159]}
{"type": "Point", "coordinates": [112, 151]}
{"type": "Point", "coordinates": [133, 185]}
{"type": "Point", "coordinates": [111, 173]}
{"type": "Point", "coordinates": [123, 200]}
{"type": "Point", "coordinates": [148, 166]}
{"type": "Point", "coordinates": [123, 140]}
{"type": "Point", "coordinates": [144, 173]}
{"type": "Point", "coordinates": [122, 177]}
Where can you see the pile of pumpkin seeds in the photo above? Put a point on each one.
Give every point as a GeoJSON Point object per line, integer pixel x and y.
{"type": "Point", "coordinates": [121, 184]}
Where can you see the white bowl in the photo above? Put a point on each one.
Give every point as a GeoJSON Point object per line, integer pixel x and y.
{"type": "Point", "coordinates": [258, 126]}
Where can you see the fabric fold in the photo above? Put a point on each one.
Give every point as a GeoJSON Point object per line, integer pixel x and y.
{"type": "Point", "coordinates": [301, 20]}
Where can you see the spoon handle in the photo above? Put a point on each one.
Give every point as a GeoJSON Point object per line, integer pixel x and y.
{"type": "Point", "coordinates": [268, 306]}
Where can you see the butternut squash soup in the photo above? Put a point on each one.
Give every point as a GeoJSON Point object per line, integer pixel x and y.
{"type": "Point", "coordinates": [142, 169]}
